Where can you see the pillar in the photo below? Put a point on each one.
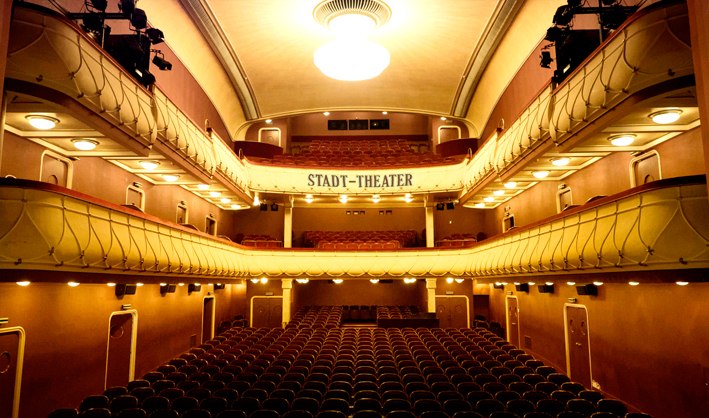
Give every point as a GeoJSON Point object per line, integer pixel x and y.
{"type": "Point", "coordinates": [287, 286]}
{"type": "Point", "coordinates": [5, 14]}
{"type": "Point", "coordinates": [431, 288]}
{"type": "Point", "coordinates": [288, 227]}
{"type": "Point", "coordinates": [430, 240]}
{"type": "Point", "coordinates": [699, 32]}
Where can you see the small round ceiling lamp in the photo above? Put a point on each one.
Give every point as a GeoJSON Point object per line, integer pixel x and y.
{"type": "Point", "coordinates": [622, 140]}
{"type": "Point", "coordinates": [665, 117]}
{"type": "Point", "coordinates": [84, 144]}
{"type": "Point", "coordinates": [540, 174]}
{"type": "Point", "coordinates": [149, 165]}
{"type": "Point", "coordinates": [42, 122]}
{"type": "Point", "coordinates": [351, 56]}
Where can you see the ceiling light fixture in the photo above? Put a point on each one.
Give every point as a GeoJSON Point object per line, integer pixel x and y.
{"type": "Point", "coordinates": [376, 198]}
{"type": "Point", "coordinates": [149, 165]}
{"type": "Point", "coordinates": [560, 161]}
{"type": "Point", "coordinates": [225, 200]}
{"type": "Point", "coordinates": [409, 280]}
{"type": "Point", "coordinates": [449, 280]}
{"type": "Point", "coordinates": [326, 113]}
{"type": "Point", "coordinates": [479, 205]}
{"type": "Point", "coordinates": [337, 281]}
{"type": "Point", "coordinates": [540, 174]}
{"type": "Point", "coordinates": [343, 198]}
{"type": "Point", "coordinates": [23, 283]}
{"type": "Point", "coordinates": [84, 144]}
{"type": "Point", "coordinates": [665, 117]}
{"type": "Point", "coordinates": [42, 122]}
{"type": "Point", "coordinates": [459, 280]}
{"type": "Point", "coordinates": [489, 199]}
{"type": "Point", "coordinates": [171, 177]}
{"type": "Point", "coordinates": [215, 194]}
{"type": "Point", "coordinates": [510, 185]}
{"type": "Point", "coordinates": [622, 140]}
{"type": "Point", "coordinates": [351, 56]}
{"type": "Point", "coordinates": [498, 192]}
{"type": "Point", "coordinates": [202, 186]}
{"type": "Point", "coordinates": [308, 198]}
{"type": "Point", "coordinates": [408, 198]}
{"type": "Point", "coordinates": [302, 281]}
{"type": "Point", "coordinates": [264, 280]}
{"type": "Point", "coordinates": [374, 281]}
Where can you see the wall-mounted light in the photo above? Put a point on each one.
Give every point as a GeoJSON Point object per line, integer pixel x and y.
{"type": "Point", "coordinates": [73, 284]}
{"type": "Point", "coordinates": [343, 198]}
{"type": "Point", "coordinates": [302, 281]}
{"type": "Point", "coordinates": [194, 287]}
{"type": "Point", "coordinates": [264, 280]}
{"type": "Point", "coordinates": [337, 281]}
{"type": "Point", "coordinates": [308, 198]}
{"type": "Point", "coordinates": [255, 280]}
{"type": "Point", "coordinates": [167, 288]}
{"type": "Point", "coordinates": [449, 280]}
{"type": "Point", "coordinates": [408, 198]}
{"type": "Point", "coordinates": [634, 283]}
{"type": "Point", "coordinates": [459, 280]}
{"type": "Point", "coordinates": [123, 289]}
{"type": "Point", "coordinates": [587, 290]}
{"type": "Point", "coordinates": [84, 144]}
{"type": "Point", "coordinates": [546, 288]}
{"type": "Point", "coordinates": [23, 283]}
{"type": "Point", "coordinates": [376, 198]}
{"type": "Point", "coordinates": [374, 281]}
{"type": "Point", "coordinates": [498, 286]}
{"type": "Point", "coordinates": [42, 122]}
{"type": "Point", "coordinates": [681, 283]}
{"type": "Point", "coordinates": [219, 286]}
{"type": "Point", "coordinates": [409, 280]}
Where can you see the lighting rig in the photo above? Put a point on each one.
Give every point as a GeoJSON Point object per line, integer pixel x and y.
{"type": "Point", "coordinates": [572, 46]}
{"type": "Point", "coordinates": [133, 50]}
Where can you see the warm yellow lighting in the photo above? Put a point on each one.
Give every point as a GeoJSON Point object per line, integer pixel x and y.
{"type": "Point", "coordinates": [376, 198]}
{"type": "Point", "coordinates": [443, 118]}
{"type": "Point", "coordinates": [678, 283]}
{"type": "Point", "coordinates": [42, 122]}
{"type": "Point", "coordinates": [215, 194]}
{"type": "Point", "coordinates": [598, 283]}
{"type": "Point", "coordinates": [269, 121]}
{"type": "Point", "coordinates": [163, 284]}
{"type": "Point", "coordinates": [302, 281]}
{"type": "Point", "coordinates": [571, 283]}
{"type": "Point", "coordinates": [385, 113]}
{"type": "Point", "coordinates": [149, 165]}
{"type": "Point", "coordinates": [664, 117]}
{"type": "Point", "coordinates": [489, 199]}
{"type": "Point", "coordinates": [531, 283]}
{"type": "Point", "coordinates": [171, 177]}
{"type": "Point", "coordinates": [510, 184]}
{"type": "Point", "coordinates": [498, 192]}
{"type": "Point", "coordinates": [326, 113]}
{"type": "Point", "coordinates": [337, 281]}
{"type": "Point", "coordinates": [111, 284]}
{"type": "Point", "coordinates": [139, 284]}
{"type": "Point", "coordinates": [309, 198]}
{"type": "Point", "coordinates": [180, 284]}
{"type": "Point", "coordinates": [549, 283]}
{"type": "Point", "coordinates": [408, 198]}
{"type": "Point", "coordinates": [257, 201]}
{"type": "Point", "coordinates": [225, 200]}
{"type": "Point", "coordinates": [561, 161]}
{"type": "Point", "coordinates": [264, 280]}
{"type": "Point", "coordinates": [352, 59]}
{"type": "Point", "coordinates": [23, 283]}
{"type": "Point", "coordinates": [633, 283]}
{"type": "Point", "coordinates": [255, 280]}
{"type": "Point", "coordinates": [479, 205]}
{"type": "Point", "coordinates": [73, 284]}
{"type": "Point", "coordinates": [409, 280]}
{"type": "Point", "coordinates": [343, 198]}
{"type": "Point", "coordinates": [374, 281]}
{"type": "Point", "coordinates": [235, 206]}
{"type": "Point", "coordinates": [540, 174]}
{"type": "Point", "coordinates": [84, 144]}
{"type": "Point", "coordinates": [516, 283]}
{"type": "Point", "coordinates": [202, 186]}
{"type": "Point", "coordinates": [622, 140]}
{"type": "Point", "coordinates": [449, 280]}
{"type": "Point", "coordinates": [459, 280]}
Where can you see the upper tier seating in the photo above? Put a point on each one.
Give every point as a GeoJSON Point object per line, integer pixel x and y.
{"type": "Point", "coordinates": [359, 240]}
{"type": "Point", "coordinates": [350, 370]}
{"type": "Point", "coordinates": [255, 240]}
{"type": "Point", "coordinates": [457, 240]}
{"type": "Point", "coordinates": [362, 153]}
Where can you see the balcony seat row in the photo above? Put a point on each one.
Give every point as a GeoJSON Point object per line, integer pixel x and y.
{"type": "Point", "coordinates": [383, 239]}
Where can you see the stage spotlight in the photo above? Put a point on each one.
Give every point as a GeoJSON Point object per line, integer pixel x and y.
{"type": "Point", "coordinates": [139, 19]}
{"type": "Point", "coordinates": [127, 7]}
{"type": "Point", "coordinates": [156, 36]}
{"type": "Point", "coordinates": [563, 16]}
{"type": "Point", "coordinates": [450, 206]}
{"type": "Point", "coordinates": [263, 207]}
{"type": "Point", "coordinates": [545, 59]}
{"type": "Point", "coordinates": [274, 207]}
{"type": "Point", "coordinates": [162, 63]}
{"type": "Point", "coordinates": [574, 3]}
{"type": "Point", "coordinates": [555, 34]}
{"type": "Point", "coordinates": [440, 206]}
{"type": "Point", "coordinates": [99, 5]}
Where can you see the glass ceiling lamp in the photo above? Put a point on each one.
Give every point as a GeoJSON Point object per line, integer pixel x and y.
{"type": "Point", "coordinates": [351, 56]}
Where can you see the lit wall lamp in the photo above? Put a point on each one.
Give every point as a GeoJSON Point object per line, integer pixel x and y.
{"type": "Point", "coordinates": [219, 286]}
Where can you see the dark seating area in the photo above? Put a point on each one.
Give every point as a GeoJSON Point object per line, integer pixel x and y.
{"type": "Point", "coordinates": [359, 240]}
{"type": "Point", "coordinates": [257, 240]}
{"type": "Point", "coordinates": [457, 240]}
{"type": "Point", "coordinates": [304, 372]}
{"type": "Point", "coordinates": [370, 152]}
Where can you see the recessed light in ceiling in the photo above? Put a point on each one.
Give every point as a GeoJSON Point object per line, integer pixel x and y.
{"type": "Point", "coordinates": [622, 140]}
{"type": "Point", "coordinates": [540, 174]}
{"type": "Point", "coordinates": [149, 165]}
{"type": "Point", "coordinates": [498, 192]}
{"type": "Point", "coordinates": [308, 198]}
{"type": "Point", "coordinates": [510, 184]}
{"type": "Point", "coordinates": [343, 198]}
{"type": "Point", "coordinates": [84, 144]}
{"type": "Point", "coordinates": [225, 200]}
{"type": "Point", "coordinates": [479, 205]}
{"type": "Point", "coordinates": [560, 161]}
{"type": "Point", "coordinates": [664, 117]}
{"type": "Point", "coordinates": [408, 198]}
{"type": "Point", "coordinates": [215, 194]}
{"type": "Point", "coordinates": [376, 198]}
{"type": "Point", "coordinates": [42, 122]}
{"type": "Point", "coordinates": [203, 186]}
{"type": "Point", "coordinates": [489, 199]}
{"type": "Point", "coordinates": [171, 177]}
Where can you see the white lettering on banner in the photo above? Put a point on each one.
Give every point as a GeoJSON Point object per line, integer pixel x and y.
{"type": "Point", "coordinates": [360, 180]}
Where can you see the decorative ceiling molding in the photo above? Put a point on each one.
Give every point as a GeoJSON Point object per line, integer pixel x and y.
{"type": "Point", "coordinates": [208, 24]}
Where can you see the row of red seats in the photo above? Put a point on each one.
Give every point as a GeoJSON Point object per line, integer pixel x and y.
{"type": "Point", "coordinates": [406, 238]}
{"type": "Point", "coordinates": [259, 240]}
{"type": "Point", "coordinates": [367, 245]}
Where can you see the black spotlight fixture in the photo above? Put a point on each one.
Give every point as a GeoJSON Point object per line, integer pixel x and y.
{"type": "Point", "coordinates": [127, 7]}
{"type": "Point", "coordinates": [440, 206]}
{"type": "Point", "coordinates": [125, 289]}
{"type": "Point", "coordinates": [545, 59]}
{"type": "Point", "coordinates": [263, 207]}
{"type": "Point", "coordinates": [555, 34]}
{"type": "Point", "coordinates": [522, 287]}
{"type": "Point", "coordinates": [498, 286]}
{"type": "Point", "coordinates": [587, 290]}
{"type": "Point", "coordinates": [155, 35]}
{"type": "Point", "coordinates": [450, 206]}
{"type": "Point", "coordinates": [563, 16]}
{"type": "Point", "coordinates": [167, 288]}
{"type": "Point", "coordinates": [219, 286]}
{"type": "Point", "coordinates": [139, 19]}
{"type": "Point", "coordinates": [99, 5]}
{"type": "Point", "coordinates": [546, 288]}
{"type": "Point", "coordinates": [274, 207]}
{"type": "Point", "coordinates": [574, 3]}
{"type": "Point", "coordinates": [160, 61]}
{"type": "Point", "coordinates": [194, 287]}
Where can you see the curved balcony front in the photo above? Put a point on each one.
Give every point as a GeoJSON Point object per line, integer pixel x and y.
{"type": "Point", "coordinates": [662, 225]}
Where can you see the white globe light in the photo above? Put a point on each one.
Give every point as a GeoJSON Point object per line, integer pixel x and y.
{"type": "Point", "coordinates": [351, 60]}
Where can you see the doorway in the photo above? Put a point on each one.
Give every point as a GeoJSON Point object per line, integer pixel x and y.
{"type": "Point", "coordinates": [453, 311]}
{"type": "Point", "coordinates": [578, 348]}
{"type": "Point", "coordinates": [511, 304]}
{"type": "Point", "coordinates": [208, 313]}
{"type": "Point", "coordinates": [120, 349]}
{"type": "Point", "coordinates": [267, 311]}
{"type": "Point", "coordinates": [12, 352]}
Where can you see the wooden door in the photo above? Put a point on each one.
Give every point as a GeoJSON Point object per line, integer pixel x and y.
{"type": "Point", "coordinates": [208, 309]}
{"type": "Point", "coordinates": [452, 311]}
{"type": "Point", "coordinates": [266, 312]}
{"type": "Point", "coordinates": [512, 321]}
{"type": "Point", "coordinates": [442, 312]}
{"type": "Point", "coordinates": [578, 345]}
{"type": "Point", "coordinates": [646, 168]}
{"type": "Point", "coordinates": [55, 170]}
{"type": "Point", "coordinates": [12, 348]}
{"type": "Point", "coordinates": [120, 354]}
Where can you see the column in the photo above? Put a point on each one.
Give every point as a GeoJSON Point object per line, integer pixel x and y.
{"type": "Point", "coordinates": [5, 14]}
{"type": "Point", "coordinates": [288, 226]}
{"type": "Point", "coordinates": [430, 240]}
{"type": "Point", "coordinates": [287, 286]}
{"type": "Point", "coordinates": [431, 288]}
{"type": "Point", "coordinates": [699, 32]}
